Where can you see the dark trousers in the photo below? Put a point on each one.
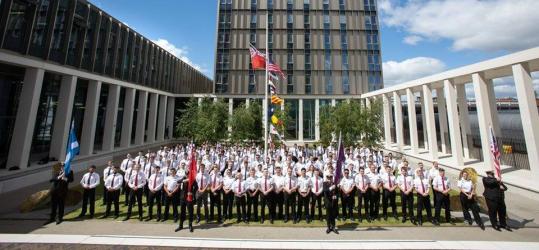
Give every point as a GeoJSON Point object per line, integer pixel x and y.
{"type": "Point", "coordinates": [57, 206]}
{"type": "Point", "coordinates": [363, 201]}
{"type": "Point", "coordinates": [185, 205]}
{"type": "Point", "coordinates": [441, 200]}
{"type": "Point", "coordinates": [240, 208]}
{"type": "Point", "coordinates": [171, 200]}
{"type": "Point", "coordinates": [470, 204]}
{"type": "Point", "coordinates": [88, 196]}
{"type": "Point", "coordinates": [267, 201]}
{"type": "Point", "coordinates": [290, 203]}
{"type": "Point", "coordinates": [389, 200]}
{"type": "Point", "coordinates": [215, 201]}
{"type": "Point", "coordinates": [154, 198]}
{"type": "Point", "coordinates": [407, 205]}
{"type": "Point", "coordinates": [347, 203]}
{"type": "Point", "coordinates": [202, 199]}
{"type": "Point", "coordinates": [147, 192]}
{"type": "Point", "coordinates": [135, 195]}
{"type": "Point", "coordinates": [126, 191]}
{"type": "Point", "coordinates": [105, 195]}
{"type": "Point", "coordinates": [278, 205]}
{"type": "Point", "coordinates": [252, 205]}
{"type": "Point", "coordinates": [331, 213]}
{"type": "Point", "coordinates": [303, 204]}
{"type": "Point", "coordinates": [497, 212]}
{"type": "Point", "coordinates": [228, 201]}
{"type": "Point", "coordinates": [423, 202]}
{"type": "Point", "coordinates": [374, 203]}
{"type": "Point", "coordinates": [113, 197]}
{"type": "Point", "coordinates": [316, 201]}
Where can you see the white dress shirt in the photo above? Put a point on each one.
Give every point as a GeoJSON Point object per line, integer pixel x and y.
{"type": "Point", "coordinates": [171, 183]}
{"type": "Point", "coordinates": [265, 183]}
{"type": "Point", "coordinates": [90, 180]}
{"type": "Point", "coordinates": [421, 184]}
{"type": "Point", "coordinates": [203, 180]}
{"type": "Point", "coordinates": [239, 187]}
{"type": "Point", "coordinates": [304, 184]}
{"type": "Point", "coordinates": [441, 184]}
{"type": "Point", "coordinates": [317, 188]}
{"type": "Point", "coordinates": [155, 183]}
{"type": "Point", "coordinates": [405, 183]}
{"type": "Point", "coordinates": [116, 184]}
{"type": "Point", "coordinates": [465, 185]}
{"type": "Point", "coordinates": [138, 180]}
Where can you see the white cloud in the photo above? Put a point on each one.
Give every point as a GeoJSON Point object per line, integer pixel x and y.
{"type": "Point", "coordinates": [412, 40]}
{"type": "Point", "coordinates": [487, 25]}
{"type": "Point", "coordinates": [180, 52]}
{"type": "Point", "coordinates": [410, 69]}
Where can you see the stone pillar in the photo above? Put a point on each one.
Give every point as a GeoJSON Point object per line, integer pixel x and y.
{"type": "Point", "coordinates": [387, 121]}
{"type": "Point", "coordinates": [62, 117]}
{"type": "Point", "coordinates": [21, 140]}
{"type": "Point", "coordinates": [199, 100]}
{"type": "Point", "coordinates": [493, 107]}
{"type": "Point", "coordinates": [170, 117]}
{"type": "Point", "coordinates": [111, 116]}
{"type": "Point", "coordinates": [368, 102]}
{"type": "Point", "coordinates": [247, 102]}
{"type": "Point", "coordinates": [423, 120]}
{"type": "Point", "coordinates": [528, 112]}
{"type": "Point", "coordinates": [231, 111]}
{"type": "Point", "coordinates": [429, 119]}
{"type": "Point", "coordinates": [127, 120]}
{"type": "Point", "coordinates": [464, 118]}
{"type": "Point", "coordinates": [300, 119]}
{"type": "Point", "coordinates": [412, 120]}
{"type": "Point", "coordinates": [152, 118]}
{"type": "Point", "coordinates": [141, 117]}
{"type": "Point", "coordinates": [90, 118]}
{"type": "Point", "coordinates": [454, 126]}
{"type": "Point", "coordinates": [162, 116]}
{"type": "Point", "coordinates": [398, 120]}
{"type": "Point", "coordinates": [317, 120]}
{"type": "Point", "coordinates": [442, 118]}
{"type": "Point", "coordinates": [484, 117]}
{"type": "Point", "coordinates": [333, 102]}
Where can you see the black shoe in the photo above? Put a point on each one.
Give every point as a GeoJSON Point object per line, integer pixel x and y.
{"type": "Point", "coordinates": [482, 227]}
{"type": "Point", "coordinates": [435, 222]}
{"type": "Point", "coordinates": [385, 217]}
{"type": "Point", "coordinates": [180, 227]}
{"type": "Point", "coordinates": [175, 220]}
{"type": "Point", "coordinates": [352, 219]}
{"type": "Point", "coordinates": [403, 219]}
{"type": "Point", "coordinates": [140, 218]}
{"type": "Point", "coordinates": [328, 230]}
{"type": "Point", "coordinates": [470, 222]}
{"type": "Point", "coordinates": [116, 216]}
{"type": "Point", "coordinates": [262, 221]}
{"type": "Point", "coordinates": [413, 222]}
{"type": "Point", "coordinates": [335, 231]}
{"type": "Point", "coordinates": [148, 219]}
{"type": "Point", "coordinates": [80, 216]}
{"type": "Point", "coordinates": [198, 220]}
{"type": "Point", "coordinates": [285, 220]}
{"type": "Point", "coordinates": [58, 221]}
{"type": "Point", "coordinates": [295, 221]}
{"type": "Point", "coordinates": [220, 221]}
{"type": "Point", "coordinates": [238, 221]}
{"type": "Point", "coordinates": [420, 222]}
{"type": "Point", "coordinates": [497, 228]}
{"type": "Point", "coordinates": [271, 221]}
{"type": "Point", "coordinates": [190, 228]}
{"type": "Point", "coordinates": [507, 228]}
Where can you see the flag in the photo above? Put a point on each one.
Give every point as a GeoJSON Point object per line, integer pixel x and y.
{"type": "Point", "coordinates": [272, 76]}
{"type": "Point", "coordinates": [272, 88]}
{"type": "Point", "coordinates": [192, 175]}
{"type": "Point", "coordinates": [258, 59]}
{"type": "Point", "coordinates": [495, 151]}
{"type": "Point", "coordinates": [274, 131]}
{"type": "Point", "coordinates": [72, 149]}
{"type": "Point", "coordinates": [272, 67]}
{"type": "Point", "coordinates": [271, 110]}
{"type": "Point", "coordinates": [340, 161]}
{"type": "Point", "coordinates": [276, 100]}
{"type": "Point", "coordinates": [275, 120]}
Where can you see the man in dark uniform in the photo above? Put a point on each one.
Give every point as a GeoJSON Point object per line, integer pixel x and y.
{"type": "Point", "coordinates": [186, 204]}
{"type": "Point", "coordinates": [58, 191]}
{"type": "Point", "coordinates": [330, 202]}
{"type": "Point", "coordinates": [495, 198]}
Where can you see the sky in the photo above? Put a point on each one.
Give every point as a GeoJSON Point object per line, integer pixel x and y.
{"type": "Point", "coordinates": [418, 37]}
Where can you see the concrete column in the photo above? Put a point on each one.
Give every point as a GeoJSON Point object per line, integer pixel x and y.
{"type": "Point", "coordinates": [170, 117]}
{"type": "Point", "coordinates": [528, 113]}
{"type": "Point", "coordinates": [493, 107]}
{"type": "Point", "coordinates": [127, 120]}
{"type": "Point", "coordinates": [231, 111]}
{"type": "Point", "coordinates": [429, 119]}
{"type": "Point", "coordinates": [62, 117]}
{"type": "Point", "coordinates": [141, 118]}
{"type": "Point", "coordinates": [21, 140]}
{"type": "Point", "coordinates": [442, 118]}
{"type": "Point", "coordinates": [90, 118]}
{"type": "Point", "coordinates": [152, 118]}
{"type": "Point", "coordinates": [111, 116]}
{"type": "Point", "coordinates": [333, 102]}
{"type": "Point", "coordinates": [247, 102]}
{"type": "Point", "coordinates": [199, 100]}
{"type": "Point", "coordinates": [317, 120]}
{"type": "Point", "coordinates": [368, 102]}
{"type": "Point", "coordinates": [300, 119]}
{"type": "Point", "coordinates": [162, 116]}
{"type": "Point", "coordinates": [399, 133]}
{"type": "Point", "coordinates": [412, 120]}
{"type": "Point", "coordinates": [484, 117]}
{"type": "Point", "coordinates": [453, 118]}
{"type": "Point", "coordinates": [387, 121]}
{"type": "Point", "coordinates": [464, 118]}
{"type": "Point", "coordinates": [423, 120]}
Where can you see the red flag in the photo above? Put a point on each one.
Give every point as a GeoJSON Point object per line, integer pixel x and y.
{"type": "Point", "coordinates": [192, 175]}
{"type": "Point", "coordinates": [258, 60]}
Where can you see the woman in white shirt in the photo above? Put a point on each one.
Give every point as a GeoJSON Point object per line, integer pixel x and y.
{"type": "Point", "coordinates": [467, 199]}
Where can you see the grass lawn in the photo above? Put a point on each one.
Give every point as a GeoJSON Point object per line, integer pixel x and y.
{"type": "Point", "coordinates": [391, 222]}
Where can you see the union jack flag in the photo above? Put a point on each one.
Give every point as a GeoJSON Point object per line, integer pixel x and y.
{"type": "Point", "coordinates": [495, 152]}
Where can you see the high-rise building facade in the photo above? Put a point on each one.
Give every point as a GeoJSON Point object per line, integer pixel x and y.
{"type": "Point", "coordinates": [329, 51]}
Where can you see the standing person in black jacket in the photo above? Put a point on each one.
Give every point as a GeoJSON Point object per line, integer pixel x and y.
{"type": "Point", "coordinates": [331, 203]}
{"type": "Point", "coordinates": [495, 198]}
{"type": "Point", "coordinates": [58, 191]}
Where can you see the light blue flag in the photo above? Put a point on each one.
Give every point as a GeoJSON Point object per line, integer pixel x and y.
{"type": "Point", "coordinates": [72, 149]}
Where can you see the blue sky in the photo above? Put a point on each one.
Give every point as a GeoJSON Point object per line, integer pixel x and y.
{"type": "Point", "coordinates": [419, 37]}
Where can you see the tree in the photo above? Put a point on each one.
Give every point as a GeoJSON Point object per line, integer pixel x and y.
{"type": "Point", "coordinates": [204, 122]}
{"type": "Point", "coordinates": [246, 123]}
{"type": "Point", "coordinates": [372, 124]}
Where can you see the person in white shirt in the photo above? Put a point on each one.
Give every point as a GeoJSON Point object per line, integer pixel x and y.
{"type": "Point", "coordinates": [128, 173]}
{"type": "Point", "coordinates": [441, 187]}
{"type": "Point", "coordinates": [304, 188]}
{"type": "Point", "coordinates": [467, 200]}
{"type": "Point", "coordinates": [239, 187]}
{"type": "Point", "coordinates": [265, 186]}
{"type": "Point", "coordinates": [421, 186]}
{"type": "Point", "coordinates": [346, 186]}
{"type": "Point", "coordinates": [203, 182]}
{"type": "Point", "coordinates": [375, 186]}
{"type": "Point", "coordinates": [390, 185]}
{"type": "Point", "coordinates": [228, 194]}
{"type": "Point", "coordinates": [433, 172]}
{"type": "Point", "coordinates": [216, 183]}
{"type": "Point", "coordinates": [155, 185]}
{"type": "Point", "coordinates": [113, 183]}
{"type": "Point", "coordinates": [171, 188]}
{"type": "Point", "coordinates": [89, 181]}
{"type": "Point", "coordinates": [407, 195]}
{"type": "Point", "coordinates": [106, 172]}
{"type": "Point", "coordinates": [252, 194]}
{"type": "Point", "coordinates": [362, 186]}
{"type": "Point", "coordinates": [278, 198]}
{"type": "Point", "coordinates": [290, 193]}
{"type": "Point", "coordinates": [136, 185]}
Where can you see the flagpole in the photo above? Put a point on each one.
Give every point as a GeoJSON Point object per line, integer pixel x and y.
{"type": "Point", "coordinates": [266, 91]}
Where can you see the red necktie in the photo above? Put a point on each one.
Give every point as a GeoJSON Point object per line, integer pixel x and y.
{"type": "Point", "coordinates": [443, 182]}
{"type": "Point", "coordinates": [239, 186]}
{"type": "Point", "coordinates": [389, 179]}
{"type": "Point", "coordinates": [363, 180]}
{"type": "Point", "coordinates": [154, 181]}
{"type": "Point", "coordinates": [136, 179]}
{"type": "Point", "coordinates": [422, 186]}
{"type": "Point", "coordinates": [316, 184]}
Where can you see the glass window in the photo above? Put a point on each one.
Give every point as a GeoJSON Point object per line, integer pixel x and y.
{"type": "Point", "coordinates": [89, 40]}
{"type": "Point", "coordinates": [101, 113]}
{"type": "Point", "coordinates": [113, 36]}
{"type": "Point", "coordinates": [308, 119]}
{"type": "Point", "coordinates": [292, 126]}
{"type": "Point", "coordinates": [120, 52]}
{"type": "Point", "coordinates": [290, 18]}
{"type": "Point", "coordinates": [345, 83]}
{"type": "Point", "coordinates": [18, 21]}
{"type": "Point", "coordinates": [76, 40]}
{"type": "Point", "coordinates": [40, 32]}
{"type": "Point", "coordinates": [59, 32]}
{"type": "Point", "coordinates": [11, 82]}
{"type": "Point", "coordinates": [326, 19]}
{"type": "Point", "coordinates": [329, 82]}
{"type": "Point", "coordinates": [253, 18]}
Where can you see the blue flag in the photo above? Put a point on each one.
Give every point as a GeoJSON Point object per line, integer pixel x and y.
{"type": "Point", "coordinates": [340, 161]}
{"type": "Point", "coordinates": [72, 149]}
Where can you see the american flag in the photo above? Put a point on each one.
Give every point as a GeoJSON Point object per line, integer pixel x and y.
{"type": "Point", "coordinates": [272, 67]}
{"type": "Point", "coordinates": [495, 151]}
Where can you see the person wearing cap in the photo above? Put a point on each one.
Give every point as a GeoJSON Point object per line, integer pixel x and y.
{"type": "Point", "coordinates": [316, 193]}
{"type": "Point", "coordinates": [331, 203]}
{"type": "Point", "coordinates": [406, 188]}
{"type": "Point", "coordinates": [495, 197]}
{"type": "Point", "coordinates": [278, 180]}
{"type": "Point", "coordinates": [216, 183]}
{"type": "Point", "coordinates": [304, 188]}
{"type": "Point", "coordinates": [346, 186]}
{"type": "Point", "coordinates": [155, 185]}
{"type": "Point", "coordinates": [441, 187]}
{"type": "Point", "coordinates": [113, 183]}
{"type": "Point", "coordinates": [362, 186]}
{"type": "Point", "coordinates": [467, 199]}
{"type": "Point", "coordinates": [266, 187]}
{"type": "Point", "coordinates": [389, 196]}
{"type": "Point", "coordinates": [89, 182]}
{"type": "Point", "coordinates": [186, 204]}
{"type": "Point", "coordinates": [421, 186]}
{"type": "Point", "coordinates": [239, 187]}
{"type": "Point", "coordinates": [290, 195]}
{"type": "Point", "coordinates": [136, 184]}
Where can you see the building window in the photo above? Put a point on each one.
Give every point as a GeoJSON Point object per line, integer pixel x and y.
{"type": "Point", "coordinates": [292, 126]}
{"type": "Point", "coordinates": [374, 62]}
{"type": "Point", "coordinates": [308, 119]}
{"type": "Point", "coordinates": [252, 83]}
{"type": "Point", "coordinates": [375, 81]}
{"type": "Point", "coordinates": [329, 82]}
{"type": "Point", "coordinates": [41, 26]}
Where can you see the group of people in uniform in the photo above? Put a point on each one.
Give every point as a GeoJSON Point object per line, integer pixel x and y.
{"type": "Point", "coordinates": [292, 184]}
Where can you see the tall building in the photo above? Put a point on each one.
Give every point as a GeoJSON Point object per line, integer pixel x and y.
{"type": "Point", "coordinates": [67, 60]}
{"type": "Point", "coordinates": [328, 49]}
